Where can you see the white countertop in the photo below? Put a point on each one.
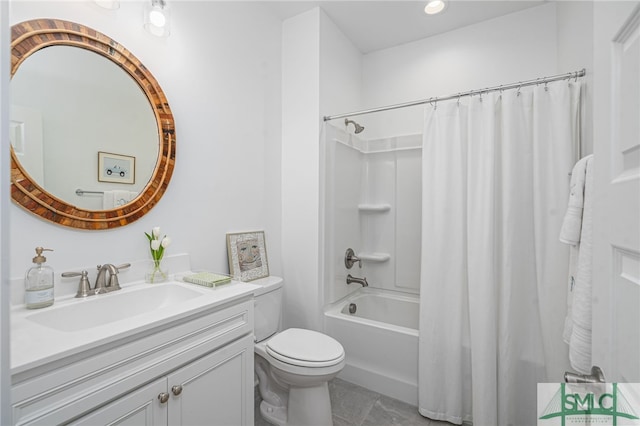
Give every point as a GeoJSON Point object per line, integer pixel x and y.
{"type": "Point", "coordinates": [34, 344]}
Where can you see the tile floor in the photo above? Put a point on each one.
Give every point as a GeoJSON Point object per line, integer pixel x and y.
{"type": "Point", "coordinates": [353, 405]}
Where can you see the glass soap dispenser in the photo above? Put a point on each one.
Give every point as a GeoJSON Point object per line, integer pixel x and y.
{"type": "Point", "coordinates": [38, 282]}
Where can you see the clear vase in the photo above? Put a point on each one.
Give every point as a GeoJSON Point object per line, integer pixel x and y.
{"type": "Point", "coordinates": [157, 274]}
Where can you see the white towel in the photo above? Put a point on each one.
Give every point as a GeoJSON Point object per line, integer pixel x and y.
{"type": "Point", "coordinates": [580, 340]}
{"type": "Point", "coordinates": [572, 222]}
{"type": "Point", "coordinates": [573, 268]}
{"type": "Point", "coordinates": [117, 198]}
{"type": "Point", "coordinates": [580, 350]}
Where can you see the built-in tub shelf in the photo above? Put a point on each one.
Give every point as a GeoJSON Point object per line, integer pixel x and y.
{"type": "Point", "coordinates": [374, 208]}
{"type": "Point", "coordinates": [374, 257]}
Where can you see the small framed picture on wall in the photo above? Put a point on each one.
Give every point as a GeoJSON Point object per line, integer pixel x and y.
{"type": "Point", "coordinates": [247, 253]}
{"type": "Point", "coordinates": [116, 168]}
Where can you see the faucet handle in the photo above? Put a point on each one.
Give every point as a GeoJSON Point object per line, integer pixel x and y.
{"type": "Point", "coordinates": [73, 274]}
{"type": "Point", "coordinates": [350, 259]}
{"type": "Point", "coordinates": [84, 287]}
{"type": "Point", "coordinates": [114, 284]}
{"type": "Point", "coordinates": [123, 266]}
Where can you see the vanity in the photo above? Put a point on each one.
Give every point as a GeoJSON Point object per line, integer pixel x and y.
{"type": "Point", "coordinates": [184, 356]}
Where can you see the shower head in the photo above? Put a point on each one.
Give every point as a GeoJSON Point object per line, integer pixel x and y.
{"type": "Point", "coordinates": [358, 127]}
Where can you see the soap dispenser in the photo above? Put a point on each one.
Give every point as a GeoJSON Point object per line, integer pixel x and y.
{"type": "Point", "coordinates": [38, 282]}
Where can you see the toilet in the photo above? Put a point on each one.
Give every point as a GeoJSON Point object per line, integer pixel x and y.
{"type": "Point", "coordinates": [293, 366]}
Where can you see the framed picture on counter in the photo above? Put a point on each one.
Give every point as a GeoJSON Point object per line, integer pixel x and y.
{"type": "Point", "coordinates": [247, 253]}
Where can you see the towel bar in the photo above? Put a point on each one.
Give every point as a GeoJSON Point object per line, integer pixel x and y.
{"type": "Point", "coordinates": [81, 192]}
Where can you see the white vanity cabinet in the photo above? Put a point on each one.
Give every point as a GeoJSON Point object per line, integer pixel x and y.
{"type": "Point", "coordinates": [205, 392]}
{"type": "Point", "coordinates": [139, 408]}
{"type": "Point", "coordinates": [197, 369]}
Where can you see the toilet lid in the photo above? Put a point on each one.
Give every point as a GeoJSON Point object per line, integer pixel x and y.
{"type": "Point", "coordinates": [305, 347]}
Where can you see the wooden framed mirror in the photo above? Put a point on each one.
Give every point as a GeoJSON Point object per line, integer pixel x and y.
{"type": "Point", "coordinates": [33, 36]}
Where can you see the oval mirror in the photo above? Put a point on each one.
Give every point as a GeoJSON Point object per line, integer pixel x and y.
{"type": "Point", "coordinates": [92, 134]}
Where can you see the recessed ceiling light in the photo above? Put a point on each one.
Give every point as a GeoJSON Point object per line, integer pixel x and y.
{"type": "Point", "coordinates": [434, 7]}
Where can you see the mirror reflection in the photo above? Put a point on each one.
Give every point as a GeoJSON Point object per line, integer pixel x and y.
{"type": "Point", "coordinates": [67, 105]}
{"type": "Point", "coordinates": [109, 169]}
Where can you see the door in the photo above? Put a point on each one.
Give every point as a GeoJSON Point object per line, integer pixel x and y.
{"type": "Point", "coordinates": [25, 134]}
{"type": "Point", "coordinates": [616, 250]}
{"type": "Point", "coordinates": [216, 389]}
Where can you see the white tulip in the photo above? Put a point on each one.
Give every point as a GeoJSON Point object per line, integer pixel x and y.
{"type": "Point", "coordinates": [155, 244]}
{"type": "Point", "coordinates": [165, 242]}
{"type": "Point", "coordinates": [156, 232]}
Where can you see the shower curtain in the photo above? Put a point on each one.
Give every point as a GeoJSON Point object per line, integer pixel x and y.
{"type": "Point", "coordinates": [493, 277]}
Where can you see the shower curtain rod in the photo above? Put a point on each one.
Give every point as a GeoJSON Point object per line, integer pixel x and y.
{"type": "Point", "coordinates": [565, 76]}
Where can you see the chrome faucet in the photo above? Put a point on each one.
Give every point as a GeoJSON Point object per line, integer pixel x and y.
{"type": "Point", "coordinates": [101, 285]}
{"type": "Point", "coordinates": [362, 281]}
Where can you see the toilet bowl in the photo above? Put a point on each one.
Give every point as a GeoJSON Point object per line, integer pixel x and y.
{"type": "Point", "coordinates": [293, 367]}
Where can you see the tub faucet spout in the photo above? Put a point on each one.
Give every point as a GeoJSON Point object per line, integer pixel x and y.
{"type": "Point", "coordinates": [362, 281]}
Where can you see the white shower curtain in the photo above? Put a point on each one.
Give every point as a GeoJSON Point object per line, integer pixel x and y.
{"type": "Point", "coordinates": [493, 294]}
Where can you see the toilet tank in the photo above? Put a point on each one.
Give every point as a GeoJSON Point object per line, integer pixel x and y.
{"type": "Point", "coordinates": [268, 307]}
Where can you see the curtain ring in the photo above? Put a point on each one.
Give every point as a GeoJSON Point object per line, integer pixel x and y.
{"type": "Point", "coordinates": [546, 88]}
{"type": "Point", "coordinates": [518, 92]}
{"type": "Point", "coordinates": [480, 96]}
{"type": "Point", "coordinates": [458, 101]}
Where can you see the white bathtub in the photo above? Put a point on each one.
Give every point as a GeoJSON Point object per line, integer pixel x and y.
{"type": "Point", "coordinates": [380, 340]}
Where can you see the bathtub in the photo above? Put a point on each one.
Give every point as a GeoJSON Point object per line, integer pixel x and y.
{"type": "Point", "coordinates": [380, 340]}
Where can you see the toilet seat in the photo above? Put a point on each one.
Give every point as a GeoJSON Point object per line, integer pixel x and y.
{"type": "Point", "coordinates": [305, 348]}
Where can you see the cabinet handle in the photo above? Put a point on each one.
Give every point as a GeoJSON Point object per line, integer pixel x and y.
{"type": "Point", "coordinates": [177, 390]}
{"type": "Point", "coordinates": [163, 397]}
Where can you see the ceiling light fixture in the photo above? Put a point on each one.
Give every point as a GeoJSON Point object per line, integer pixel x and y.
{"type": "Point", "coordinates": [156, 18]}
{"type": "Point", "coordinates": [435, 6]}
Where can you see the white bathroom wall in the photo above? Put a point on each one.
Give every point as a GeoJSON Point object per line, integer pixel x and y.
{"type": "Point", "coordinates": [221, 71]}
{"type": "Point", "coordinates": [320, 73]}
{"type": "Point", "coordinates": [300, 168]}
{"type": "Point", "coordinates": [514, 47]}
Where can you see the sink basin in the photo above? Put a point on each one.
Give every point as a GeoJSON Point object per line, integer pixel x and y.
{"type": "Point", "coordinates": [105, 309]}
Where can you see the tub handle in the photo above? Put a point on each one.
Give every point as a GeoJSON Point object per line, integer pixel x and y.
{"type": "Point", "coordinates": [350, 258]}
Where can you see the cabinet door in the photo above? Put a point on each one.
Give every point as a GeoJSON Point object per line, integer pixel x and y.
{"type": "Point", "coordinates": [216, 389]}
{"type": "Point", "coordinates": [141, 407]}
